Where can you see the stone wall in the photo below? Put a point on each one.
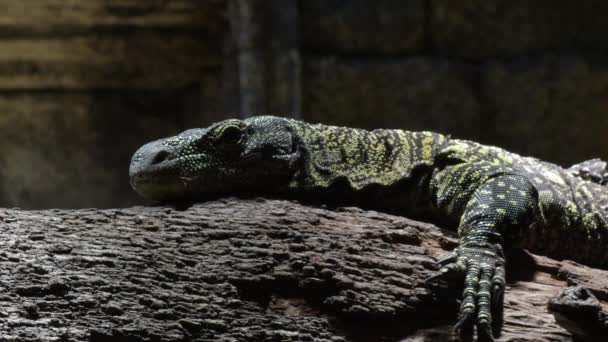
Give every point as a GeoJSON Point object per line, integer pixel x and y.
{"type": "Point", "coordinates": [530, 76]}
{"type": "Point", "coordinates": [83, 83]}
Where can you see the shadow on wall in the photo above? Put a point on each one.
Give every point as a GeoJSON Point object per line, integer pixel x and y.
{"type": "Point", "coordinates": [90, 82]}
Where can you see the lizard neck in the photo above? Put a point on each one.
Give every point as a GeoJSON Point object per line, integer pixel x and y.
{"type": "Point", "coordinates": [333, 156]}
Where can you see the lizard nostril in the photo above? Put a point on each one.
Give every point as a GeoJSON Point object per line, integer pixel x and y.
{"type": "Point", "coordinates": [161, 157]}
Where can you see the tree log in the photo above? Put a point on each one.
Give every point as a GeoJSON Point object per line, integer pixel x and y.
{"type": "Point", "coordinates": [262, 270]}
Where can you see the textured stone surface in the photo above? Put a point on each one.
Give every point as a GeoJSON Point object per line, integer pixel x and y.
{"type": "Point", "coordinates": [107, 43]}
{"type": "Point", "coordinates": [147, 60]}
{"type": "Point", "coordinates": [359, 26]}
{"type": "Point", "coordinates": [84, 83]}
{"type": "Point", "coordinates": [552, 107]}
{"type": "Point", "coordinates": [244, 270]}
{"type": "Point", "coordinates": [73, 150]}
{"type": "Point", "coordinates": [67, 16]}
{"type": "Point", "coordinates": [410, 93]}
{"type": "Point", "coordinates": [263, 58]}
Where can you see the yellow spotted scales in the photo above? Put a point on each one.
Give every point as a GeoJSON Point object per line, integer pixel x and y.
{"type": "Point", "coordinates": [496, 199]}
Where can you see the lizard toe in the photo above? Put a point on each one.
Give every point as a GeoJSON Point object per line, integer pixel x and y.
{"type": "Point", "coordinates": [449, 258]}
{"type": "Point", "coordinates": [498, 290]}
{"type": "Point", "coordinates": [484, 315]}
{"type": "Point", "coordinates": [465, 320]}
{"type": "Point", "coordinates": [484, 330]}
{"type": "Point", "coordinates": [449, 271]}
{"type": "Point", "coordinates": [468, 304]}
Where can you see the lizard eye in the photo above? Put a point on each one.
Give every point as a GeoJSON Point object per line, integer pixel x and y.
{"type": "Point", "coordinates": [230, 134]}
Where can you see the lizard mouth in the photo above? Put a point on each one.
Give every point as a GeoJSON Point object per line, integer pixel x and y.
{"type": "Point", "coordinates": [153, 173]}
{"type": "Point", "coordinates": [156, 181]}
{"type": "Point", "coordinates": [157, 187]}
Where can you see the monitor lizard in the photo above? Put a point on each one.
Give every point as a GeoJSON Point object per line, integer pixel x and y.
{"type": "Point", "coordinates": [495, 198]}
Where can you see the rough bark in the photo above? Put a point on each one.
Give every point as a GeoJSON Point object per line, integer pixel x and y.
{"type": "Point", "coordinates": [260, 270]}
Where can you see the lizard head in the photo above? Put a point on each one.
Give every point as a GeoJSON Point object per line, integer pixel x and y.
{"type": "Point", "coordinates": [229, 157]}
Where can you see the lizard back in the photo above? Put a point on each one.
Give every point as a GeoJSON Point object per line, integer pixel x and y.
{"type": "Point", "coordinates": [431, 176]}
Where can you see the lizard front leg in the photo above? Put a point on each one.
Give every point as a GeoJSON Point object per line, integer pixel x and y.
{"type": "Point", "coordinates": [498, 213]}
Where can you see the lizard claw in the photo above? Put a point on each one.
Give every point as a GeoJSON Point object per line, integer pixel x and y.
{"type": "Point", "coordinates": [484, 279]}
{"type": "Point", "coordinates": [465, 319]}
{"type": "Point", "coordinates": [484, 331]}
{"type": "Point", "coordinates": [448, 259]}
{"type": "Point", "coordinates": [452, 267]}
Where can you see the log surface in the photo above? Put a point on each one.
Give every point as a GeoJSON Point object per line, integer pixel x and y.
{"type": "Point", "coordinates": [259, 270]}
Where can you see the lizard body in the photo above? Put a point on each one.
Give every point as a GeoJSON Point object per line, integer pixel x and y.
{"type": "Point", "coordinates": [494, 197]}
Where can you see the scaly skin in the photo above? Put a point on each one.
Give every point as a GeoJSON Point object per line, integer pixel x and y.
{"type": "Point", "coordinates": [497, 199]}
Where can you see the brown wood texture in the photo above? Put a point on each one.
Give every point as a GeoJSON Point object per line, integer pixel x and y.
{"type": "Point", "coordinates": [258, 270]}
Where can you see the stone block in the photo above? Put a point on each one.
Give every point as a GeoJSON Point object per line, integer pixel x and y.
{"type": "Point", "coordinates": [412, 93]}
{"type": "Point", "coordinates": [489, 28]}
{"type": "Point", "coordinates": [359, 26]}
{"type": "Point", "coordinates": [553, 107]}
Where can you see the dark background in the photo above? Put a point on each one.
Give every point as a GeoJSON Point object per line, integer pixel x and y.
{"type": "Point", "coordinates": [83, 83]}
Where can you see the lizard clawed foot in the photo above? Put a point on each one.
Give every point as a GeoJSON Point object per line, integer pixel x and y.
{"type": "Point", "coordinates": [484, 282]}
{"type": "Point", "coordinates": [452, 267]}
